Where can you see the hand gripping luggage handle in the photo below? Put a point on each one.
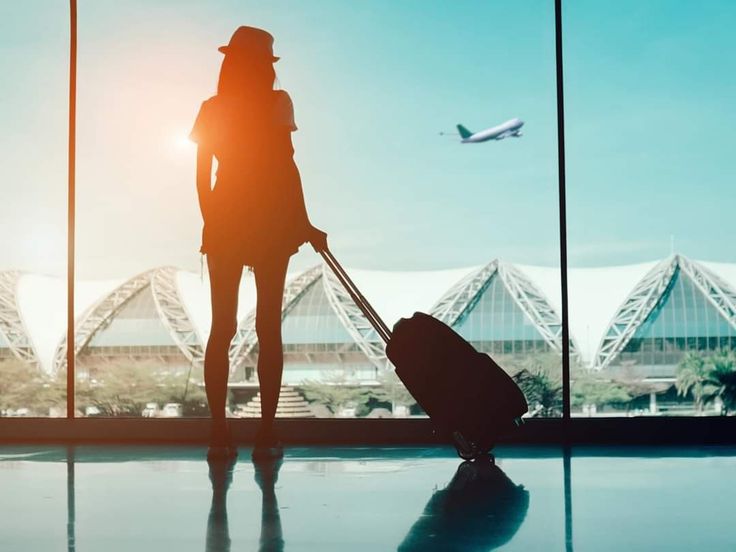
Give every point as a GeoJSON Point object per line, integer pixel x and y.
{"type": "Point", "coordinates": [361, 302]}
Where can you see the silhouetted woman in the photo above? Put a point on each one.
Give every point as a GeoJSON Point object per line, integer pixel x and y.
{"type": "Point", "coordinates": [254, 216]}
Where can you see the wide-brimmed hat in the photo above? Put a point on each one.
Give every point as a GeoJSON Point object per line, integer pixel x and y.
{"type": "Point", "coordinates": [250, 41]}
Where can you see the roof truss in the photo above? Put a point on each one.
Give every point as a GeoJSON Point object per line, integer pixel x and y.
{"type": "Point", "coordinates": [246, 339]}
{"type": "Point", "coordinates": [100, 314]}
{"type": "Point", "coordinates": [175, 316]}
{"type": "Point", "coordinates": [455, 305]}
{"type": "Point", "coordinates": [461, 299]}
{"type": "Point", "coordinates": [356, 324]}
{"type": "Point", "coordinates": [536, 306]}
{"type": "Point", "coordinates": [11, 324]}
{"type": "Point", "coordinates": [169, 307]}
{"type": "Point", "coordinates": [716, 291]}
{"type": "Point", "coordinates": [634, 311]}
{"type": "Point", "coordinates": [649, 292]}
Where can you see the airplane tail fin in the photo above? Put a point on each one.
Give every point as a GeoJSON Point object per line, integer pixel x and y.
{"type": "Point", "coordinates": [464, 132]}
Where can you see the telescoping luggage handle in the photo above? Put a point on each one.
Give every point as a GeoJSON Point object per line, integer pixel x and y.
{"type": "Point", "coordinates": [357, 297]}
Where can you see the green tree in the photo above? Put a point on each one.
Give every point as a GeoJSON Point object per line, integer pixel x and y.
{"type": "Point", "coordinates": [187, 391]}
{"type": "Point", "coordinates": [118, 388]}
{"type": "Point", "coordinates": [540, 379]}
{"type": "Point", "coordinates": [23, 385]}
{"type": "Point", "coordinates": [392, 390]}
{"type": "Point", "coordinates": [728, 391]}
{"type": "Point", "coordinates": [589, 387]}
{"type": "Point", "coordinates": [695, 376]}
{"type": "Point", "coordinates": [123, 387]}
{"type": "Point", "coordinates": [336, 392]}
{"type": "Point", "coordinates": [722, 379]}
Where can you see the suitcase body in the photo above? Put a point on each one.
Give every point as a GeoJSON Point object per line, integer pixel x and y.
{"type": "Point", "coordinates": [468, 397]}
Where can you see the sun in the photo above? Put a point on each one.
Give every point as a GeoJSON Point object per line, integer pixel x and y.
{"type": "Point", "coordinates": [181, 142]}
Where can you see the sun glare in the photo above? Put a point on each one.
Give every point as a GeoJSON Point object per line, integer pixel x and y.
{"type": "Point", "coordinates": [182, 142]}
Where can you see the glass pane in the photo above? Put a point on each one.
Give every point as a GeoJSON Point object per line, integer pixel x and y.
{"type": "Point", "coordinates": [140, 316]}
{"type": "Point", "coordinates": [421, 220]}
{"type": "Point", "coordinates": [34, 89]}
{"type": "Point", "coordinates": [653, 283]}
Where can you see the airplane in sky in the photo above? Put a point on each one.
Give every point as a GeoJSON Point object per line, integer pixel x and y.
{"type": "Point", "coordinates": [511, 128]}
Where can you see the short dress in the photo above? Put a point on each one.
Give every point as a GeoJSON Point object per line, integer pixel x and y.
{"type": "Point", "coordinates": [256, 210]}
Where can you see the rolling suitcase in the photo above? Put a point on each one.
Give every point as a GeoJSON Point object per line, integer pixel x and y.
{"type": "Point", "coordinates": [468, 397]}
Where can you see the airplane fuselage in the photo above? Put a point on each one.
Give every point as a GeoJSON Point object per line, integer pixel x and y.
{"type": "Point", "coordinates": [510, 128]}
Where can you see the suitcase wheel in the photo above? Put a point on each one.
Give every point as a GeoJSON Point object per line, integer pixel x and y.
{"type": "Point", "coordinates": [467, 450]}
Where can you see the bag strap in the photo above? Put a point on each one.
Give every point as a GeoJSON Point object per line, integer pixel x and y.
{"type": "Point", "coordinates": [365, 307]}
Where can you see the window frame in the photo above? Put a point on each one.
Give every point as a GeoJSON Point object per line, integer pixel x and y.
{"type": "Point", "coordinates": [638, 430]}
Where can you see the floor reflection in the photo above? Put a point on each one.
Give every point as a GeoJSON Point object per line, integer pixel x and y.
{"type": "Point", "coordinates": [266, 475]}
{"type": "Point", "coordinates": [70, 502]}
{"type": "Point", "coordinates": [126, 498]}
{"type": "Point", "coordinates": [218, 531]}
{"type": "Point", "coordinates": [480, 509]}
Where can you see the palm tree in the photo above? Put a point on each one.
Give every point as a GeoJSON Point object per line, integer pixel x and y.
{"type": "Point", "coordinates": [539, 377]}
{"type": "Point", "coordinates": [708, 378]}
{"type": "Point", "coordinates": [542, 391]}
{"type": "Point", "coordinates": [693, 376]}
{"type": "Point", "coordinates": [728, 391]}
{"type": "Point", "coordinates": [722, 378]}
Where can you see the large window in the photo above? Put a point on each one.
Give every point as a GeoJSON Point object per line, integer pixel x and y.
{"type": "Point", "coordinates": [383, 94]}
{"type": "Point", "coordinates": [649, 101]}
{"type": "Point", "coordinates": [33, 110]}
{"type": "Point", "coordinates": [444, 227]}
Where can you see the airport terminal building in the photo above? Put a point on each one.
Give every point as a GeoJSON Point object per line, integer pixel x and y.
{"type": "Point", "coordinates": [643, 317]}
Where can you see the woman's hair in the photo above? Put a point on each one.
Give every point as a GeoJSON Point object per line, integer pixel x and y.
{"type": "Point", "coordinates": [242, 77]}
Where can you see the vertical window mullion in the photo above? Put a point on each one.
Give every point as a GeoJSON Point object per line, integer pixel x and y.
{"type": "Point", "coordinates": [563, 212]}
{"type": "Point", "coordinates": [71, 205]}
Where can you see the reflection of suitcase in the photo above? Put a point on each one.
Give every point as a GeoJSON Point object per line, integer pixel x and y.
{"type": "Point", "coordinates": [480, 509]}
{"type": "Point", "coordinates": [468, 397]}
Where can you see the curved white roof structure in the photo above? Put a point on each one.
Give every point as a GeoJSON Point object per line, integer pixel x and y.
{"type": "Point", "coordinates": [594, 296]}
{"type": "Point", "coordinates": [608, 305]}
{"type": "Point", "coordinates": [461, 299]}
{"type": "Point", "coordinates": [13, 332]}
{"type": "Point", "coordinates": [42, 307]}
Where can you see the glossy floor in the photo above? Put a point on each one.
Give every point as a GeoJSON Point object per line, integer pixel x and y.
{"type": "Point", "coordinates": [353, 499]}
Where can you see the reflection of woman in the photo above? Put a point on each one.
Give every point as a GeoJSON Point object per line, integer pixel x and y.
{"type": "Point", "coordinates": [221, 476]}
{"type": "Point", "coordinates": [266, 475]}
{"type": "Point", "coordinates": [254, 216]}
{"type": "Point", "coordinates": [218, 531]}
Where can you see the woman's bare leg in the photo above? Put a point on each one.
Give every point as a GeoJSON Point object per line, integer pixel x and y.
{"type": "Point", "coordinates": [224, 284]}
{"type": "Point", "coordinates": [270, 278]}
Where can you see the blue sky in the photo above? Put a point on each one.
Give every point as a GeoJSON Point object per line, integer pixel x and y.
{"type": "Point", "coordinates": [649, 103]}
